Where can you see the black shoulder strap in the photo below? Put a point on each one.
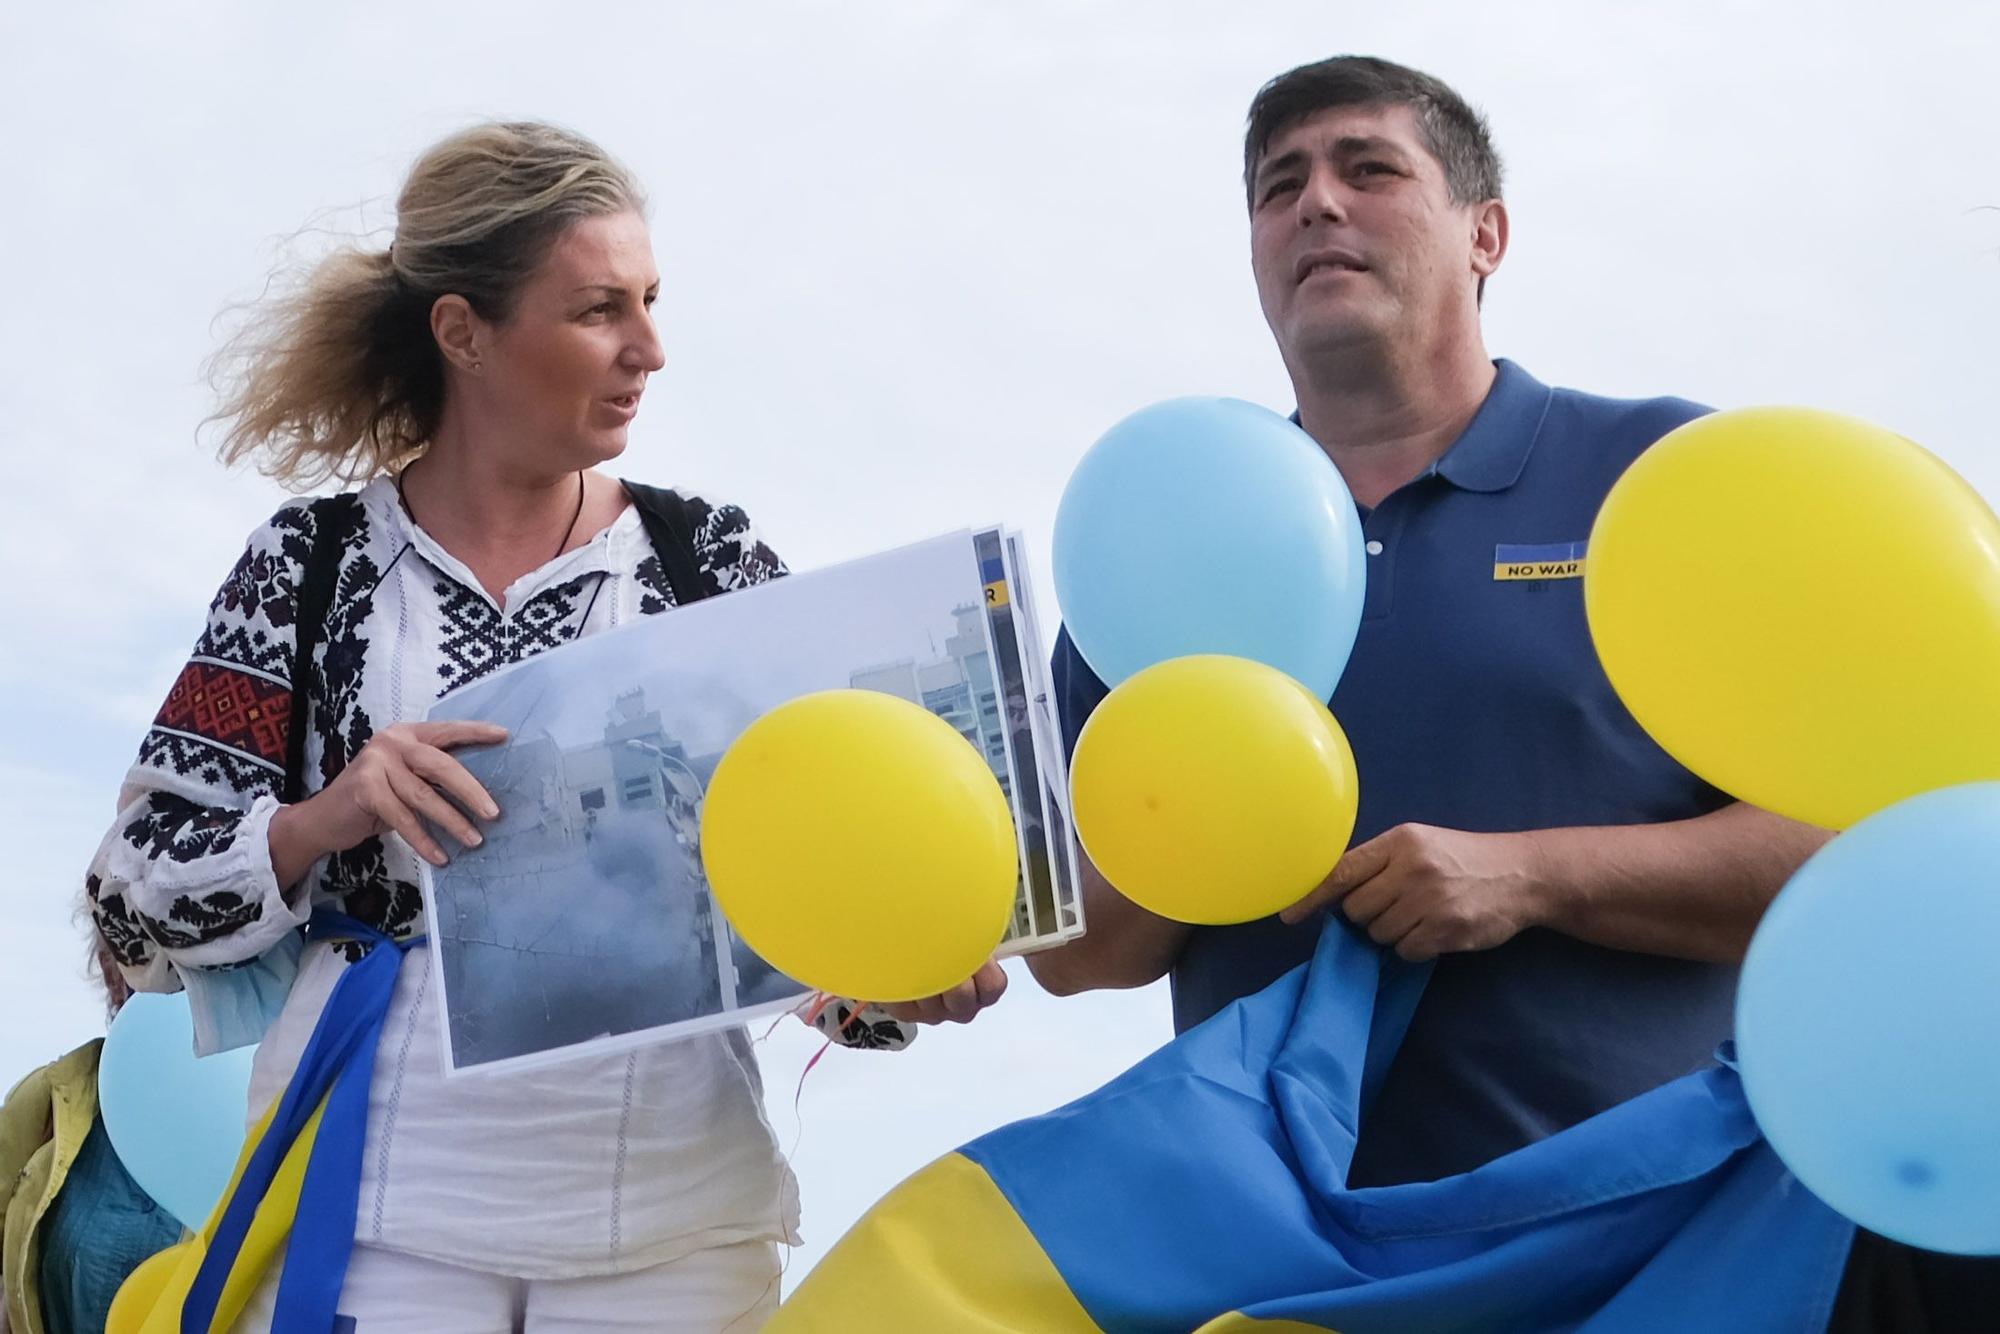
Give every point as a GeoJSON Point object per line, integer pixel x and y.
{"type": "Point", "coordinates": [333, 518]}
{"type": "Point", "coordinates": [664, 513]}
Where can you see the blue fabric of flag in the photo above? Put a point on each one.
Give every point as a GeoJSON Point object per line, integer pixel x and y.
{"type": "Point", "coordinates": [1210, 1179]}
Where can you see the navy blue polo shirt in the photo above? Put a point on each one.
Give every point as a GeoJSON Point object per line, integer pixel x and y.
{"type": "Point", "coordinates": [1474, 700]}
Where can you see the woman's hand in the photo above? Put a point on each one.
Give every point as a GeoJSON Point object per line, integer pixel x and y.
{"type": "Point", "coordinates": [399, 781]}
{"type": "Point", "coordinates": [961, 1004]}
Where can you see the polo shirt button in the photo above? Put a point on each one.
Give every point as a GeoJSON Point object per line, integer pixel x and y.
{"type": "Point", "coordinates": [1374, 548]}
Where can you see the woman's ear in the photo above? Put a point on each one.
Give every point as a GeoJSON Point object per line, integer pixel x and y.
{"type": "Point", "coordinates": [459, 331]}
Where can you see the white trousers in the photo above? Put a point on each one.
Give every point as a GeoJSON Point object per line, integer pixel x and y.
{"type": "Point", "coordinates": [722, 1290]}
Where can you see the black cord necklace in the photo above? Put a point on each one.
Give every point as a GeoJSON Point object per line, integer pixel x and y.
{"type": "Point", "coordinates": [570, 531]}
{"type": "Point", "coordinates": [561, 546]}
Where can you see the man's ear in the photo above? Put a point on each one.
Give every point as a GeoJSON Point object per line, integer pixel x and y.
{"type": "Point", "coordinates": [1489, 237]}
{"type": "Point", "coordinates": [459, 331]}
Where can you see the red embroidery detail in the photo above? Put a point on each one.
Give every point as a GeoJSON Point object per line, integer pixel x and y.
{"type": "Point", "coordinates": [231, 708]}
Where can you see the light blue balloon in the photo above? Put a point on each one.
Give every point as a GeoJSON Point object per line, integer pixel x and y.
{"type": "Point", "coordinates": [1210, 525]}
{"type": "Point", "coordinates": [1868, 1022]}
{"type": "Point", "coordinates": [177, 1121]}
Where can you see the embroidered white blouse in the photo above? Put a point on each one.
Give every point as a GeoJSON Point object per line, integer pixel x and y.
{"type": "Point", "coordinates": [590, 1167]}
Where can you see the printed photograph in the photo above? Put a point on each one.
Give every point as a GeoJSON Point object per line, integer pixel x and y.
{"type": "Point", "coordinates": [584, 921]}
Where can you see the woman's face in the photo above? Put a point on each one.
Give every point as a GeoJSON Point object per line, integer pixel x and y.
{"type": "Point", "coordinates": [565, 371]}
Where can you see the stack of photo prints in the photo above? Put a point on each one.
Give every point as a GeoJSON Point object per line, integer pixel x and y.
{"type": "Point", "coordinates": [583, 923]}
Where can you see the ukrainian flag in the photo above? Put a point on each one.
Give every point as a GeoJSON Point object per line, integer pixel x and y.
{"type": "Point", "coordinates": [1204, 1190]}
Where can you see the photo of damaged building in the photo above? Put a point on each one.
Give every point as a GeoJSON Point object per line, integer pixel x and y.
{"type": "Point", "coordinates": [585, 913]}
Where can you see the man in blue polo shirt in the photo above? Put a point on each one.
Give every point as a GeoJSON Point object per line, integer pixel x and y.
{"type": "Point", "coordinates": [1582, 900]}
{"type": "Point", "coordinates": [1586, 899]}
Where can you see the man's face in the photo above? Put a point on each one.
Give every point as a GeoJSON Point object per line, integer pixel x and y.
{"type": "Point", "coordinates": [1354, 238]}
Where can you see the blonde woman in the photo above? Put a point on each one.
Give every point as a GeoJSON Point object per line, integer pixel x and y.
{"type": "Point", "coordinates": [474, 376]}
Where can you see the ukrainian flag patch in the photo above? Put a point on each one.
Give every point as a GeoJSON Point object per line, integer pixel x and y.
{"type": "Point", "coordinates": [1549, 560]}
{"type": "Point", "coordinates": [994, 575]}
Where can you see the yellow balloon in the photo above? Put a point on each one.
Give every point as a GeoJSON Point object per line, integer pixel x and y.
{"type": "Point", "coordinates": [142, 1289]}
{"type": "Point", "coordinates": [861, 845]}
{"type": "Point", "coordinates": [1213, 789]}
{"type": "Point", "coordinates": [1804, 609]}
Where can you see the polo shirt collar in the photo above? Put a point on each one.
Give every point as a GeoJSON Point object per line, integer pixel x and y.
{"type": "Point", "coordinates": [1493, 450]}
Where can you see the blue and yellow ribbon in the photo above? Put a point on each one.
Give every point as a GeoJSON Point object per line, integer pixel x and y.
{"type": "Point", "coordinates": [299, 1176]}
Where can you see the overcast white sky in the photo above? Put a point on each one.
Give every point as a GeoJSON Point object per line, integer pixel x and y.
{"type": "Point", "coordinates": [916, 257]}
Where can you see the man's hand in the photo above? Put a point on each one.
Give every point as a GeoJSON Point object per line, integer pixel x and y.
{"type": "Point", "coordinates": [1424, 891]}
{"type": "Point", "coordinates": [960, 1004]}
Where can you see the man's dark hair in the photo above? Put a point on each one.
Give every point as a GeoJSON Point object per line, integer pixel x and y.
{"type": "Point", "coordinates": [1454, 133]}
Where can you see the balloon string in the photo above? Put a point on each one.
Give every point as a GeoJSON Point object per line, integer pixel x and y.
{"type": "Point", "coordinates": [794, 1011]}
{"type": "Point", "coordinates": [821, 1002]}
{"type": "Point", "coordinates": [799, 1093]}
{"type": "Point", "coordinates": [813, 1007]}
{"type": "Point", "coordinates": [799, 1114]}
{"type": "Point", "coordinates": [808, 1011]}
